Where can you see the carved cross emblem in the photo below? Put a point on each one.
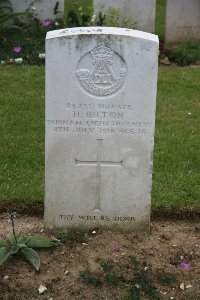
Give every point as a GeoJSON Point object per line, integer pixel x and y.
{"type": "Point", "coordinates": [98, 164]}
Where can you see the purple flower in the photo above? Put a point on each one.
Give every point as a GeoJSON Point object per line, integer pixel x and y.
{"type": "Point", "coordinates": [117, 248]}
{"type": "Point", "coordinates": [185, 266]}
{"type": "Point", "coordinates": [47, 23]}
{"type": "Point", "coordinates": [17, 49]}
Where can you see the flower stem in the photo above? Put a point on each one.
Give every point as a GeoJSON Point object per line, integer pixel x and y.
{"type": "Point", "coordinates": [12, 217]}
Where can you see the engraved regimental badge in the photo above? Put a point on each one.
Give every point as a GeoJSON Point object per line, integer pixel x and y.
{"type": "Point", "coordinates": [101, 72]}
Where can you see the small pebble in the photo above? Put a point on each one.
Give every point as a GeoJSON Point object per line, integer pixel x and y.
{"type": "Point", "coordinates": [6, 277]}
{"type": "Point", "coordinates": [66, 272]}
{"type": "Point", "coordinates": [182, 286]}
{"type": "Point", "coordinates": [164, 293]}
{"type": "Point", "coordinates": [42, 289]}
{"type": "Point", "coordinates": [188, 286]}
{"type": "Point", "coordinates": [137, 286]}
{"type": "Point", "coordinates": [93, 232]}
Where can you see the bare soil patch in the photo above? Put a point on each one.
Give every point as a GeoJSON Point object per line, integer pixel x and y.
{"type": "Point", "coordinates": [158, 254]}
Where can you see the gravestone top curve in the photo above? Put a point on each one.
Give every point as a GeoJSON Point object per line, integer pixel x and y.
{"type": "Point", "coordinates": [101, 30]}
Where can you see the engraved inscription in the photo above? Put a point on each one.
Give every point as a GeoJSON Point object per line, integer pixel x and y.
{"type": "Point", "coordinates": [100, 118]}
{"type": "Point", "coordinates": [106, 74]}
{"type": "Point", "coordinates": [97, 218]}
{"type": "Point", "coordinates": [98, 163]}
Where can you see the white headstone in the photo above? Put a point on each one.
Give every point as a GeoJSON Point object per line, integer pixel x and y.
{"type": "Point", "coordinates": [142, 11]}
{"type": "Point", "coordinates": [100, 113]}
{"type": "Point", "coordinates": [42, 9]}
{"type": "Point", "coordinates": [182, 21]}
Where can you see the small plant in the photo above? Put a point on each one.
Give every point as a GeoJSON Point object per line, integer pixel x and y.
{"type": "Point", "coordinates": [110, 278]}
{"type": "Point", "coordinates": [105, 265]}
{"type": "Point", "coordinates": [134, 261]}
{"type": "Point", "coordinates": [72, 237]}
{"type": "Point", "coordinates": [113, 17]}
{"type": "Point", "coordinates": [166, 279]}
{"type": "Point", "coordinates": [23, 245]}
{"type": "Point", "coordinates": [88, 278]}
{"type": "Point", "coordinates": [134, 294]}
{"type": "Point", "coordinates": [141, 284]}
{"type": "Point", "coordinates": [185, 53]}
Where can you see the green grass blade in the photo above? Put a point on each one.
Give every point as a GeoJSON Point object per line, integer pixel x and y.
{"type": "Point", "coordinates": [32, 256]}
{"type": "Point", "coordinates": [4, 253]}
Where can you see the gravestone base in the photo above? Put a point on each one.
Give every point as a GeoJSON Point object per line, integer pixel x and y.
{"type": "Point", "coordinates": [120, 225]}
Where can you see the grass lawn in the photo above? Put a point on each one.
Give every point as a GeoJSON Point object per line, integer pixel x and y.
{"type": "Point", "coordinates": [160, 19]}
{"type": "Point", "coordinates": [176, 179]}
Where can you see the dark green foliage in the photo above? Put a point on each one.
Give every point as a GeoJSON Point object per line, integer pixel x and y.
{"type": "Point", "coordinates": [166, 279]}
{"type": "Point", "coordinates": [64, 237]}
{"type": "Point", "coordinates": [134, 260]}
{"type": "Point", "coordinates": [106, 265]}
{"type": "Point", "coordinates": [141, 283]}
{"type": "Point", "coordinates": [56, 8]}
{"type": "Point", "coordinates": [110, 278]}
{"type": "Point", "coordinates": [88, 278]}
{"type": "Point", "coordinates": [31, 37]}
{"type": "Point", "coordinates": [101, 19]}
{"type": "Point", "coordinates": [185, 53]}
{"type": "Point", "coordinates": [134, 294]}
{"type": "Point", "coordinates": [72, 237]}
{"type": "Point", "coordinates": [72, 19]}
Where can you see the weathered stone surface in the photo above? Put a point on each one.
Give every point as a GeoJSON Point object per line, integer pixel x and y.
{"type": "Point", "coordinates": [100, 114]}
{"type": "Point", "coordinates": [41, 9]}
{"type": "Point", "coordinates": [142, 11]}
{"type": "Point", "coordinates": [182, 21]}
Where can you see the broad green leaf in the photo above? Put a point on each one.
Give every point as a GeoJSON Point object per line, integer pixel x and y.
{"type": "Point", "coordinates": [38, 242]}
{"type": "Point", "coordinates": [4, 253]}
{"type": "Point", "coordinates": [22, 240]}
{"type": "Point", "coordinates": [11, 239]}
{"type": "Point", "coordinates": [14, 249]}
{"type": "Point", "coordinates": [19, 246]}
{"type": "Point", "coordinates": [3, 244]}
{"type": "Point", "coordinates": [32, 256]}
